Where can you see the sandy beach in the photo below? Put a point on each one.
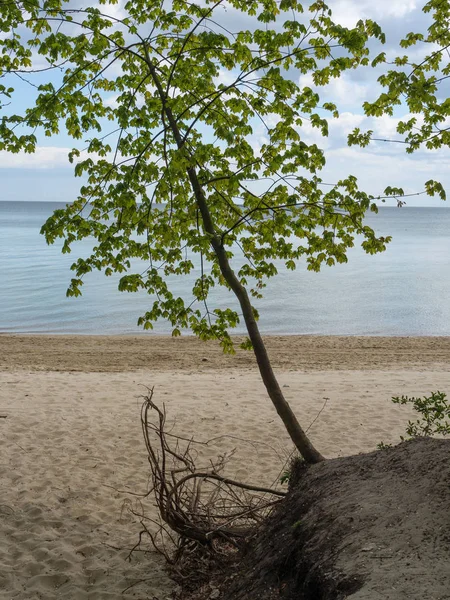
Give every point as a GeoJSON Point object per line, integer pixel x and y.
{"type": "Point", "coordinates": [71, 445]}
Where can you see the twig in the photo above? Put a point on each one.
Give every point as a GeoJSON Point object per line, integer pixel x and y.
{"type": "Point", "coordinates": [318, 415]}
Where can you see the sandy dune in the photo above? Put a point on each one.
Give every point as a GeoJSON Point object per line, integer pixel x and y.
{"type": "Point", "coordinates": [72, 434]}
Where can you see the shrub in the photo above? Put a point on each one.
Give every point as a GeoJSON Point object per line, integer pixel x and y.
{"type": "Point", "coordinates": [434, 411]}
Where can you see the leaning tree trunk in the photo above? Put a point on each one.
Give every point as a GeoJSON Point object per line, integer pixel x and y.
{"type": "Point", "coordinates": [297, 434]}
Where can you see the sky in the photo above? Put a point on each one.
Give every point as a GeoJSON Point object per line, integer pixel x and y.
{"type": "Point", "coordinates": [48, 176]}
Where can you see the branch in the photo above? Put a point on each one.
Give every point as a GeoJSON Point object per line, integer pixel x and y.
{"type": "Point", "coordinates": [244, 486]}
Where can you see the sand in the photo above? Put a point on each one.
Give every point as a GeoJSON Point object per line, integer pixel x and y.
{"type": "Point", "coordinates": [71, 437]}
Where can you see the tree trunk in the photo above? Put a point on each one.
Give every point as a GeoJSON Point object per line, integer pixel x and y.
{"type": "Point", "coordinates": [297, 434]}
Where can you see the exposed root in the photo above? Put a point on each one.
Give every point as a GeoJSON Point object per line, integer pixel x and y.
{"type": "Point", "coordinates": [205, 517]}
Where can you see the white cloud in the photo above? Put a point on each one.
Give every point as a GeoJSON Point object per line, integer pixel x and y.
{"type": "Point", "coordinates": [341, 91]}
{"type": "Point", "coordinates": [341, 127]}
{"type": "Point", "coordinates": [347, 121]}
{"type": "Point", "coordinates": [375, 170]}
{"type": "Point", "coordinates": [225, 77]}
{"type": "Point", "coordinates": [312, 135]}
{"type": "Point", "coordinates": [112, 101]}
{"type": "Point", "coordinates": [385, 126]}
{"type": "Point", "coordinates": [344, 90]}
{"type": "Point", "coordinates": [348, 12]}
{"type": "Point", "coordinates": [45, 157]}
{"type": "Point", "coordinates": [116, 11]}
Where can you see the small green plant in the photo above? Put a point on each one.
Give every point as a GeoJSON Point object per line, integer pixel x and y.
{"type": "Point", "coordinates": [434, 411]}
{"type": "Point", "coordinates": [435, 417]}
{"type": "Point", "coordinates": [285, 477]}
{"type": "Point", "coordinates": [383, 446]}
{"type": "Point", "coordinates": [291, 468]}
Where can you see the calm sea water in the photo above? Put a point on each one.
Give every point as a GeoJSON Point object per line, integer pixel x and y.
{"type": "Point", "coordinates": [404, 291]}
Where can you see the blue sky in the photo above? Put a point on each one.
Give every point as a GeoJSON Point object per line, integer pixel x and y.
{"type": "Point", "coordinates": [48, 176]}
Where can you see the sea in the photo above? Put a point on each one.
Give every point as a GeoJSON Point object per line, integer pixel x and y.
{"type": "Point", "coordinates": [404, 291]}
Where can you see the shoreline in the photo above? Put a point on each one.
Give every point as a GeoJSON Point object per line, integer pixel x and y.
{"type": "Point", "coordinates": [185, 334]}
{"type": "Point", "coordinates": [105, 353]}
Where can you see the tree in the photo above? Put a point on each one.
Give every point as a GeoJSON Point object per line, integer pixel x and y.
{"type": "Point", "coordinates": [177, 179]}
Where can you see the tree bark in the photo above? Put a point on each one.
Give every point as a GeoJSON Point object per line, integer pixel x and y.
{"type": "Point", "coordinates": [296, 432]}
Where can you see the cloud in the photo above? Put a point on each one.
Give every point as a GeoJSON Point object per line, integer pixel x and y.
{"type": "Point", "coordinates": [348, 12]}
{"type": "Point", "coordinates": [115, 11]}
{"type": "Point", "coordinates": [45, 157]}
{"type": "Point", "coordinates": [112, 101]}
{"type": "Point", "coordinates": [225, 77]}
{"type": "Point", "coordinates": [347, 121]}
{"type": "Point", "coordinates": [343, 91]}
{"type": "Point", "coordinates": [376, 169]}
